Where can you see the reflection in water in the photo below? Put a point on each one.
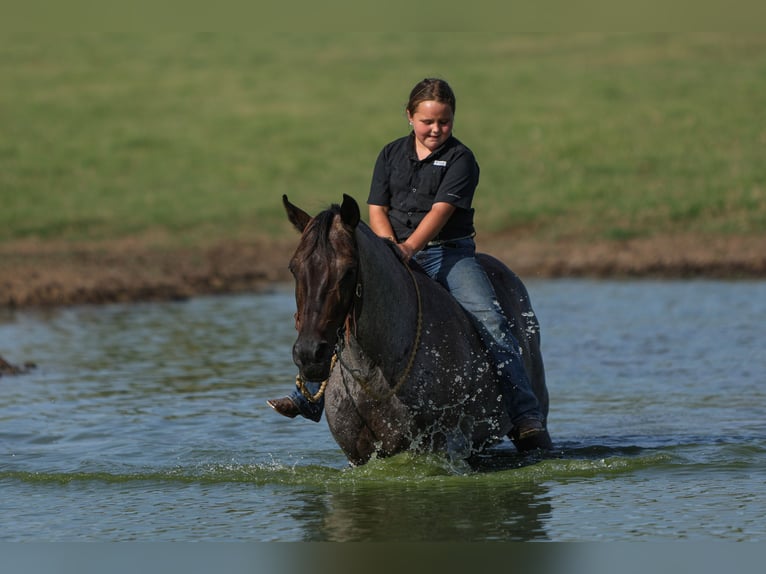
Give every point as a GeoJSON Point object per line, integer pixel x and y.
{"type": "Point", "coordinates": [472, 512]}
{"type": "Point", "coordinates": [409, 498]}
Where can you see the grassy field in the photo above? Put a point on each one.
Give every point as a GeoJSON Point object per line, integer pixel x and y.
{"type": "Point", "coordinates": [194, 138]}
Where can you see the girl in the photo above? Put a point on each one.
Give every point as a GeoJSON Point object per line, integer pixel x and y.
{"type": "Point", "coordinates": [420, 197]}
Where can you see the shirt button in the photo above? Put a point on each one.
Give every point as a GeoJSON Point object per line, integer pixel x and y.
{"type": "Point", "coordinates": [414, 189]}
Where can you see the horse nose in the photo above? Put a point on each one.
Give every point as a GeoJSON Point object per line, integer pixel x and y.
{"type": "Point", "coordinates": [311, 357]}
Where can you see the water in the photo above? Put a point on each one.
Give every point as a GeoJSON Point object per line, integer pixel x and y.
{"type": "Point", "coordinates": [148, 422]}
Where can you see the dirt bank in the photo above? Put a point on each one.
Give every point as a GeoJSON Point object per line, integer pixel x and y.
{"type": "Point", "coordinates": [46, 274]}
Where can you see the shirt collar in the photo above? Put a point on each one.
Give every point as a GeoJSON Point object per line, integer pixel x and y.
{"type": "Point", "coordinates": [412, 154]}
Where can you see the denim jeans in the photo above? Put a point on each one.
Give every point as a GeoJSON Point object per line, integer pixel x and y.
{"type": "Point", "coordinates": [456, 268]}
{"type": "Point", "coordinates": [311, 411]}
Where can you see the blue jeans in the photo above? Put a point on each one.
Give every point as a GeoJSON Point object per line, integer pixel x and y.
{"type": "Point", "coordinates": [309, 410]}
{"type": "Point", "coordinates": [456, 268]}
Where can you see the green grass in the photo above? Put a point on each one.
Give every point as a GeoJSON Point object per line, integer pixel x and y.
{"type": "Point", "coordinates": [196, 137]}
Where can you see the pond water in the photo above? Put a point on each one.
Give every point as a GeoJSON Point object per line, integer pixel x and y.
{"type": "Point", "coordinates": [148, 422]}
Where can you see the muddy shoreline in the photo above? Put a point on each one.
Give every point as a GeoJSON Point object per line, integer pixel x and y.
{"type": "Point", "coordinates": [50, 275]}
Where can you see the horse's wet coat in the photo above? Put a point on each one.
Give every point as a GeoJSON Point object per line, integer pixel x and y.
{"type": "Point", "coordinates": [356, 298]}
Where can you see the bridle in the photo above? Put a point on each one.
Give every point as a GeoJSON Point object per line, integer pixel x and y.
{"type": "Point", "coordinates": [351, 320]}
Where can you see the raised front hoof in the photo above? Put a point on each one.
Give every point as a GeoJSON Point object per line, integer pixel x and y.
{"type": "Point", "coordinates": [285, 407]}
{"type": "Point", "coordinates": [530, 435]}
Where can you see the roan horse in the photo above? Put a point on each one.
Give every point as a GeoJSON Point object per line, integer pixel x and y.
{"type": "Point", "coordinates": [401, 364]}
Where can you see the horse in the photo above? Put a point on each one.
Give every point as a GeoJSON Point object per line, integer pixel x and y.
{"type": "Point", "coordinates": [401, 365]}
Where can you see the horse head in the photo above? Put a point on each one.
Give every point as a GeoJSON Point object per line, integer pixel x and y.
{"type": "Point", "coordinates": [325, 270]}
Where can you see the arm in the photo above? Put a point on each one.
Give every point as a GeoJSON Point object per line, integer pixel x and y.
{"type": "Point", "coordinates": [428, 228]}
{"type": "Point", "coordinates": [379, 222]}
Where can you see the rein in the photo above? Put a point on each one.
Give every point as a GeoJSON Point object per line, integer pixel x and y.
{"type": "Point", "coordinates": [301, 384]}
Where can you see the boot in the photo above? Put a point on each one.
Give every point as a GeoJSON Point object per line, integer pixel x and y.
{"type": "Point", "coordinates": [530, 434]}
{"type": "Point", "coordinates": [296, 404]}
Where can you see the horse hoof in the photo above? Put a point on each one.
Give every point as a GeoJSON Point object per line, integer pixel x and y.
{"type": "Point", "coordinates": [285, 407]}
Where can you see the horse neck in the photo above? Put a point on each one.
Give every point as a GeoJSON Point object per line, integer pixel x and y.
{"type": "Point", "coordinates": [386, 321]}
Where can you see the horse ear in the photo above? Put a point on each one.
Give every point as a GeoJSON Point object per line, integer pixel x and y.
{"type": "Point", "coordinates": [349, 211]}
{"type": "Point", "coordinates": [299, 218]}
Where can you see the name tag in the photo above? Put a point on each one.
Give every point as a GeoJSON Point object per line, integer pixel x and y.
{"type": "Point", "coordinates": [440, 163]}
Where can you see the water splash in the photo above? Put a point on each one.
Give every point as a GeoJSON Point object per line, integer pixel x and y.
{"type": "Point", "coordinates": [406, 468]}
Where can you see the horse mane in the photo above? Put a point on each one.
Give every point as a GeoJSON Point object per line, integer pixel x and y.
{"type": "Point", "coordinates": [318, 232]}
{"type": "Point", "coordinates": [317, 238]}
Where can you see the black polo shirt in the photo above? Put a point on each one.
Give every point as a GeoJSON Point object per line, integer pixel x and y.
{"type": "Point", "coordinates": [409, 186]}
